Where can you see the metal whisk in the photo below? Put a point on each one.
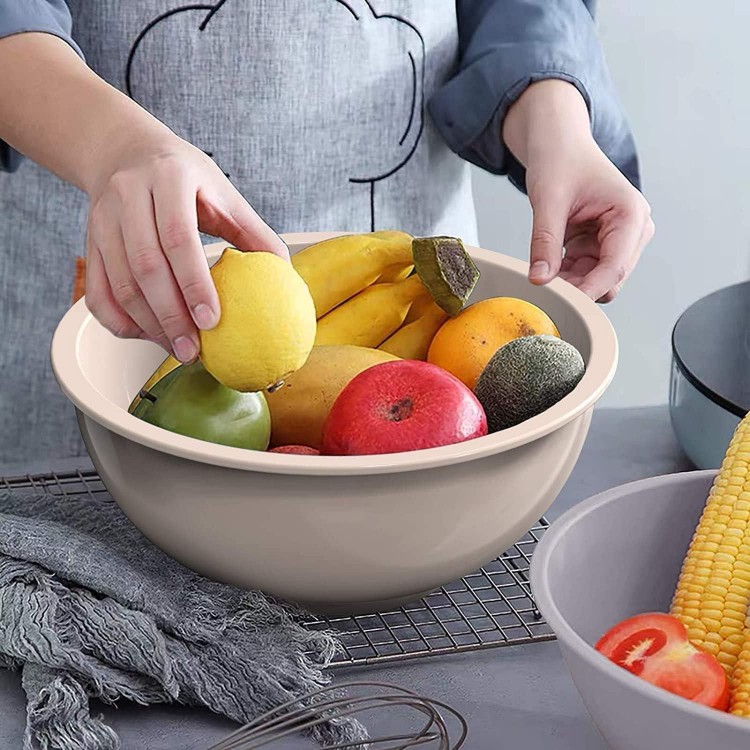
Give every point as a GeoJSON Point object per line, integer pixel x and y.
{"type": "Point", "coordinates": [331, 704]}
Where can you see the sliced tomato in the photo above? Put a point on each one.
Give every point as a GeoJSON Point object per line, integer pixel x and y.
{"type": "Point", "coordinates": [655, 647]}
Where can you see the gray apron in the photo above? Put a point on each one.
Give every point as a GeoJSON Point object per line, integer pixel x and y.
{"type": "Point", "coordinates": [314, 109]}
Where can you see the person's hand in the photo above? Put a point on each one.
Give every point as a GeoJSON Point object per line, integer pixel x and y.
{"type": "Point", "coordinates": [581, 202]}
{"type": "Point", "coordinates": [146, 272]}
{"type": "Point", "coordinates": [150, 193]}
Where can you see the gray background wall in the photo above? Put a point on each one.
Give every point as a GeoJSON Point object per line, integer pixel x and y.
{"type": "Point", "coordinates": [682, 72]}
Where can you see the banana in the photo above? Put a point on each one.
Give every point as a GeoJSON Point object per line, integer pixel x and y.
{"type": "Point", "coordinates": [337, 269]}
{"type": "Point", "coordinates": [413, 339]}
{"type": "Point", "coordinates": [371, 316]}
{"type": "Point", "coordinates": [421, 305]}
{"type": "Point", "coordinates": [169, 364]}
{"type": "Point", "coordinates": [395, 273]}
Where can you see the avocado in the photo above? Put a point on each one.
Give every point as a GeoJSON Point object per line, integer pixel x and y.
{"type": "Point", "coordinates": [525, 377]}
{"type": "Point", "coordinates": [190, 401]}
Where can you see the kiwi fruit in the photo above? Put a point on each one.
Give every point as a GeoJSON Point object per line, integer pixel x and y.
{"type": "Point", "coordinates": [446, 270]}
{"type": "Point", "coordinates": [525, 377]}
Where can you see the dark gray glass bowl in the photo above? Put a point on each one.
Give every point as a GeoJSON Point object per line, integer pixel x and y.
{"type": "Point", "coordinates": [709, 388]}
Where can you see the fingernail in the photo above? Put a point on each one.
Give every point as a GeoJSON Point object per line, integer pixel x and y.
{"type": "Point", "coordinates": [185, 349]}
{"type": "Point", "coordinates": [205, 317]}
{"type": "Point", "coordinates": [539, 269]}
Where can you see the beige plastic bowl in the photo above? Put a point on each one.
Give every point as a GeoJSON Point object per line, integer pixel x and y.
{"type": "Point", "coordinates": [351, 534]}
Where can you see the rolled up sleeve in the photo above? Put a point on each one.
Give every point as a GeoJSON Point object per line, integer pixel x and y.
{"type": "Point", "coordinates": [19, 16]}
{"type": "Point", "coordinates": [506, 45]}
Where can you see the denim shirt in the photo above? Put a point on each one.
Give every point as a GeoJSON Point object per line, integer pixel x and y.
{"type": "Point", "coordinates": [504, 45]}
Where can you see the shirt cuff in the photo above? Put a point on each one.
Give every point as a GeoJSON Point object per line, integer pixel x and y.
{"type": "Point", "coordinates": [483, 100]}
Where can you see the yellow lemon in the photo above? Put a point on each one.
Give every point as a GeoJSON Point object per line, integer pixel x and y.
{"type": "Point", "coordinates": [267, 326]}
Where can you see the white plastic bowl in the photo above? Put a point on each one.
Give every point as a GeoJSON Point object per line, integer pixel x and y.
{"type": "Point", "coordinates": [349, 534]}
{"type": "Point", "coordinates": [613, 556]}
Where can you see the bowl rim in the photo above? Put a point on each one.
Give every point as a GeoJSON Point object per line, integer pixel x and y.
{"type": "Point", "coordinates": [88, 400]}
{"type": "Point", "coordinates": [544, 597]}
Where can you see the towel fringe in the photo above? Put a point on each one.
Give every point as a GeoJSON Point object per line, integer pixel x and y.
{"type": "Point", "coordinates": [59, 717]}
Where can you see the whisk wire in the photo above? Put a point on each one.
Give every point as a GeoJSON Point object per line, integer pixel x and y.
{"type": "Point", "coordinates": [309, 711]}
{"type": "Point", "coordinates": [317, 714]}
{"type": "Point", "coordinates": [382, 740]}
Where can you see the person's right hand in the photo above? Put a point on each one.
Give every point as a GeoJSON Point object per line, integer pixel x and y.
{"type": "Point", "coordinates": [146, 272]}
{"type": "Point", "coordinates": [150, 193]}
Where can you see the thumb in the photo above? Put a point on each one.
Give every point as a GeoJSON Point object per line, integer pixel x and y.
{"type": "Point", "coordinates": [233, 219]}
{"type": "Point", "coordinates": [550, 219]}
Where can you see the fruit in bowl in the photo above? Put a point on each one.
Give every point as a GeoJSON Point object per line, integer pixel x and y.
{"type": "Point", "coordinates": [444, 272]}
{"type": "Point", "coordinates": [412, 340]}
{"type": "Point", "coordinates": [338, 268]}
{"type": "Point", "coordinates": [402, 406]}
{"type": "Point", "coordinates": [379, 297]}
{"type": "Point", "coordinates": [465, 344]}
{"type": "Point", "coordinates": [300, 407]}
{"type": "Point", "coordinates": [258, 342]}
{"type": "Point", "coordinates": [525, 377]}
{"type": "Point", "coordinates": [295, 450]}
{"type": "Point", "coordinates": [190, 401]}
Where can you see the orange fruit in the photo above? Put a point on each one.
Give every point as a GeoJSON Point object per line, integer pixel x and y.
{"type": "Point", "coordinates": [464, 345]}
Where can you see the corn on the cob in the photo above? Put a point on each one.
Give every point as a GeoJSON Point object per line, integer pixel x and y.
{"type": "Point", "coordinates": [740, 702]}
{"type": "Point", "coordinates": [713, 592]}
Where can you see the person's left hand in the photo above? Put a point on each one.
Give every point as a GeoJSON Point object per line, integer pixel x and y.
{"type": "Point", "coordinates": [583, 202]}
{"type": "Point", "coordinates": [590, 224]}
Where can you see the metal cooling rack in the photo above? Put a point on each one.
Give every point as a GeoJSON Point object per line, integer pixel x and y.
{"type": "Point", "coordinates": [487, 609]}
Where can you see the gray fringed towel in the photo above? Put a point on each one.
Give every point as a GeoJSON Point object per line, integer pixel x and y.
{"type": "Point", "coordinates": [90, 608]}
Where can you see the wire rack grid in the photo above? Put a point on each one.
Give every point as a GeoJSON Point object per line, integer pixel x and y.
{"type": "Point", "coordinates": [491, 608]}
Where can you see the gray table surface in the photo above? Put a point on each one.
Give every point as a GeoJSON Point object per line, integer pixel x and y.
{"type": "Point", "coordinates": [517, 697]}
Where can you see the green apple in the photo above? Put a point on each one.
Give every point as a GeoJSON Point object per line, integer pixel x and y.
{"type": "Point", "coordinates": [192, 402]}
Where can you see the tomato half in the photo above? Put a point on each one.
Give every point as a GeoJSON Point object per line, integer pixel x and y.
{"type": "Point", "coordinates": [655, 647]}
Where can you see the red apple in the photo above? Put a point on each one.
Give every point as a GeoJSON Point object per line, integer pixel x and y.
{"type": "Point", "coordinates": [398, 406]}
{"type": "Point", "coordinates": [300, 450]}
